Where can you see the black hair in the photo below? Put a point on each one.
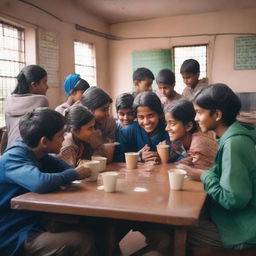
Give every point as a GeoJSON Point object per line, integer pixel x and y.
{"type": "Point", "coordinates": [94, 98]}
{"type": "Point", "coordinates": [190, 66]}
{"type": "Point", "coordinates": [41, 122]}
{"type": "Point", "coordinates": [81, 85]}
{"type": "Point", "coordinates": [165, 76]}
{"type": "Point", "coordinates": [183, 110]}
{"type": "Point", "coordinates": [78, 116]}
{"type": "Point", "coordinates": [124, 100]}
{"type": "Point", "coordinates": [28, 75]}
{"type": "Point", "coordinates": [141, 74]}
{"type": "Point", "coordinates": [221, 97]}
{"type": "Point", "coordinates": [150, 100]}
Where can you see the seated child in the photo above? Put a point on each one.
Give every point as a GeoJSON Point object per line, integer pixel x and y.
{"type": "Point", "coordinates": [76, 145]}
{"type": "Point", "coordinates": [27, 166]}
{"type": "Point", "coordinates": [142, 80]}
{"type": "Point", "coordinates": [124, 111]}
{"type": "Point", "coordinates": [190, 71]}
{"type": "Point", "coordinates": [166, 82]}
{"type": "Point", "coordinates": [74, 87]}
{"type": "Point", "coordinates": [231, 183]}
{"type": "Point", "coordinates": [198, 148]}
{"type": "Point", "coordinates": [147, 132]}
{"type": "Point", "coordinates": [98, 101]}
{"type": "Point", "coordinates": [29, 94]}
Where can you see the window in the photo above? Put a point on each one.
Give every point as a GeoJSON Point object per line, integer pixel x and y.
{"type": "Point", "coordinates": [12, 60]}
{"type": "Point", "coordinates": [198, 53]}
{"type": "Point", "coordinates": [85, 64]}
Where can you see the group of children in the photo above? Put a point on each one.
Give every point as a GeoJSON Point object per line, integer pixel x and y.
{"type": "Point", "coordinates": [189, 123]}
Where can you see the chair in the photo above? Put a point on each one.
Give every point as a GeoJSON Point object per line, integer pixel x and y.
{"type": "Point", "coordinates": [208, 251]}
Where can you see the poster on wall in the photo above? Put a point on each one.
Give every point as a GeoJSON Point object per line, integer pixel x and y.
{"type": "Point", "coordinates": [49, 56]}
{"type": "Point", "coordinates": [245, 53]}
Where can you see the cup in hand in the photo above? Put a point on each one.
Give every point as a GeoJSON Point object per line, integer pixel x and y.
{"type": "Point", "coordinates": [163, 152]}
{"type": "Point", "coordinates": [109, 181]}
{"type": "Point", "coordinates": [95, 167]}
{"type": "Point", "coordinates": [102, 160]}
{"type": "Point", "coordinates": [131, 159]}
{"type": "Point", "coordinates": [176, 178]}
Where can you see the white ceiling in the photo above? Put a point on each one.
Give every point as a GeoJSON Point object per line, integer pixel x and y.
{"type": "Point", "coordinates": [117, 11]}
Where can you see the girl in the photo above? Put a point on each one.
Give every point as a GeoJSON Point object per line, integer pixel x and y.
{"type": "Point", "coordinates": [29, 94]}
{"type": "Point", "coordinates": [198, 148]}
{"type": "Point", "coordinates": [99, 102]}
{"type": "Point", "coordinates": [231, 183]}
{"type": "Point", "coordinates": [74, 87]}
{"type": "Point", "coordinates": [76, 145]}
{"type": "Point", "coordinates": [147, 132]}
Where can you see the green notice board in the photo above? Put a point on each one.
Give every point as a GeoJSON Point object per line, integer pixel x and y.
{"type": "Point", "coordinates": [245, 52]}
{"type": "Point", "coordinates": [155, 60]}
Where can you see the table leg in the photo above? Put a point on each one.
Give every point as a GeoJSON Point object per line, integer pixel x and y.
{"type": "Point", "coordinates": [180, 237]}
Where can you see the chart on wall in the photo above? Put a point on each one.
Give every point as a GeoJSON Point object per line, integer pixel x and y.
{"type": "Point", "coordinates": [49, 56]}
{"type": "Point", "coordinates": [155, 60]}
{"type": "Point", "coordinates": [245, 53]}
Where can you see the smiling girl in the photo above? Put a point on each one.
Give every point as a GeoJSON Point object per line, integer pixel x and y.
{"type": "Point", "coordinates": [198, 149]}
{"type": "Point", "coordinates": [147, 132]}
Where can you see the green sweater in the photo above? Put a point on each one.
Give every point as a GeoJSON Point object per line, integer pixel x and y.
{"type": "Point", "coordinates": [231, 183]}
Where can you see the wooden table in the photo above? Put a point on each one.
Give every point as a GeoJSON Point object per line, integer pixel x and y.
{"type": "Point", "coordinates": [142, 195]}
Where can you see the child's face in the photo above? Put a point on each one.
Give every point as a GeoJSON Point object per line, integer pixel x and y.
{"type": "Point", "coordinates": [166, 90]}
{"type": "Point", "coordinates": [190, 79]}
{"type": "Point", "coordinates": [101, 113]}
{"type": "Point", "coordinates": [205, 119]}
{"type": "Point", "coordinates": [176, 129]}
{"type": "Point", "coordinates": [54, 145]}
{"type": "Point", "coordinates": [41, 87]}
{"type": "Point", "coordinates": [143, 85]}
{"type": "Point", "coordinates": [85, 132]}
{"type": "Point", "coordinates": [77, 95]}
{"type": "Point", "coordinates": [148, 119]}
{"type": "Point", "coordinates": [125, 115]}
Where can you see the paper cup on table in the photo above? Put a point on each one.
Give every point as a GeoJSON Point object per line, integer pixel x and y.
{"type": "Point", "coordinates": [163, 152]}
{"type": "Point", "coordinates": [109, 149]}
{"type": "Point", "coordinates": [131, 159]}
{"type": "Point", "coordinates": [102, 160]}
{"type": "Point", "coordinates": [95, 167]}
{"type": "Point", "coordinates": [109, 181]}
{"type": "Point", "coordinates": [176, 178]}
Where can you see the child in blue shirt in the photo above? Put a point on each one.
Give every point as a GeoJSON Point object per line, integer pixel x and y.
{"type": "Point", "coordinates": [147, 132]}
{"type": "Point", "coordinates": [26, 166]}
{"type": "Point", "coordinates": [124, 110]}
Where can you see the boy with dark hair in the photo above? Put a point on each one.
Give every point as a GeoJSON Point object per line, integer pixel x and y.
{"type": "Point", "coordinates": [26, 166]}
{"type": "Point", "coordinates": [142, 79]}
{"type": "Point", "coordinates": [231, 183]}
{"type": "Point", "coordinates": [124, 110]}
{"type": "Point", "coordinates": [166, 81]}
{"type": "Point", "coordinates": [190, 71]}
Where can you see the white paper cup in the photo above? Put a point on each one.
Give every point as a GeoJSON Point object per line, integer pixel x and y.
{"type": "Point", "coordinates": [95, 167]}
{"type": "Point", "coordinates": [131, 159]}
{"type": "Point", "coordinates": [109, 181]}
{"type": "Point", "coordinates": [163, 152]}
{"type": "Point", "coordinates": [176, 178]}
{"type": "Point", "coordinates": [102, 160]}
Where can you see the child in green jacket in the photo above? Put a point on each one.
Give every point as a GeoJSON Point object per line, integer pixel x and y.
{"type": "Point", "coordinates": [231, 183]}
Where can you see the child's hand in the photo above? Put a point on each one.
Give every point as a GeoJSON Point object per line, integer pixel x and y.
{"type": "Point", "coordinates": [192, 173]}
{"type": "Point", "coordinates": [162, 142]}
{"type": "Point", "coordinates": [150, 156]}
{"type": "Point", "coordinates": [83, 172]}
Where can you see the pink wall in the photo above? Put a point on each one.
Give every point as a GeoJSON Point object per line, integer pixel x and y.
{"type": "Point", "coordinates": [169, 31]}
{"type": "Point", "coordinates": [32, 18]}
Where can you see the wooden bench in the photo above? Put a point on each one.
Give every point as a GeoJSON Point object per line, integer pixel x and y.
{"type": "Point", "coordinates": [205, 251]}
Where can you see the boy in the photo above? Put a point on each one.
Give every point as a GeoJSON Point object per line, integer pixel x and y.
{"type": "Point", "coordinates": [190, 71]}
{"type": "Point", "coordinates": [124, 110]}
{"type": "Point", "coordinates": [74, 87]}
{"type": "Point", "coordinates": [142, 79]}
{"type": "Point", "coordinates": [231, 183]}
{"type": "Point", "coordinates": [26, 166]}
{"type": "Point", "coordinates": [166, 82]}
